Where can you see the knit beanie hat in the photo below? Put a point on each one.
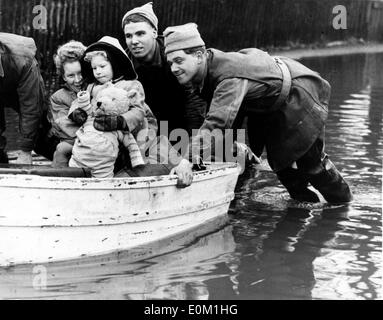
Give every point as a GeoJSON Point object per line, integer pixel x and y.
{"type": "Point", "coordinates": [145, 11]}
{"type": "Point", "coordinates": [182, 37]}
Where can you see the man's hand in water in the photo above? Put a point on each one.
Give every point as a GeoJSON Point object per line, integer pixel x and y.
{"type": "Point", "coordinates": [184, 173]}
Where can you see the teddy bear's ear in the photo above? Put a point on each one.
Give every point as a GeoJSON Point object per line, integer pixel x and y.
{"type": "Point", "coordinates": [124, 84]}
{"type": "Point", "coordinates": [132, 94]}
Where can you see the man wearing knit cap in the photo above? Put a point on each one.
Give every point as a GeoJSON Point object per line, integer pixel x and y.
{"type": "Point", "coordinates": [285, 103]}
{"type": "Point", "coordinates": [165, 96]}
{"type": "Point", "coordinates": [145, 11]}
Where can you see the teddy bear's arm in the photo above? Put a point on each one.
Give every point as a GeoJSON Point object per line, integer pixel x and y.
{"type": "Point", "coordinates": [134, 118]}
{"type": "Point", "coordinates": [137, 106]}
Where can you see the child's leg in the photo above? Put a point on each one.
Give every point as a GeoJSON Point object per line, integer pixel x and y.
{"type": "Point", "coordinates": [62, 155]}
{"type": "Point", "coordinates": [105, 172]}
{"type": "Point", "coordinates": [99, 171]}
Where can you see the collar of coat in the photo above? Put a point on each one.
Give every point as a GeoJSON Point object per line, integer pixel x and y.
{"type": "Point", "coordinates": [158, 57]}
{"type": "Point", "coordinates": [199, 86]}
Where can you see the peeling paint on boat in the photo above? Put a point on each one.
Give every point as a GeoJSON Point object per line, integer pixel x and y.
{"type": "Point", "coordinates": [51, 218]}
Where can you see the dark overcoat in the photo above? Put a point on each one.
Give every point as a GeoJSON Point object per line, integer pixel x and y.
{"type": "Point", "coordinates": [21, 86]}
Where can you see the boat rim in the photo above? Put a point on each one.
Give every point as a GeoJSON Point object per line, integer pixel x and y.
{"type": "Point", "coordinates": [37, 181]}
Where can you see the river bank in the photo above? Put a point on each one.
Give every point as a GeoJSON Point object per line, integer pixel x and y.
{"type": "Point", "coordinates": [226, 25]}
{"type": "Point", "coordinates": [329, 50]}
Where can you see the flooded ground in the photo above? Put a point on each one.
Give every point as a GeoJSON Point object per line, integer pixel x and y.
{"type": "Point", "coordinates": [269, 247]}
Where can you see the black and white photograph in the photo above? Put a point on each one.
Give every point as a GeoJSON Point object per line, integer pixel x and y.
{"type": "Point", "coordinates": [191, 154]}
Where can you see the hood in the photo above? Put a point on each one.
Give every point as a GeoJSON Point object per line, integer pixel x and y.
{"type": "Point", "coordinates": [120, 61]}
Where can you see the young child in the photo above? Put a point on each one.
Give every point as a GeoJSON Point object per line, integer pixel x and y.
{"type": "Point", "coordinates": [97, 149]}
{"type": "Point", "coordinates": [68, 64]}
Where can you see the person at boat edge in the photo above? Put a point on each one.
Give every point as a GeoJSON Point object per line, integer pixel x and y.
{"type": "Point", "coordinates": [111, 70]}
{"type": "Point", "coordinates": [22, 89]}
{"type": "Point", "coordinates": [68, 62]}
{"type": "Point", "coordinates": [285, 102]}
{"type": "Point", "coordinates": [170, 101]}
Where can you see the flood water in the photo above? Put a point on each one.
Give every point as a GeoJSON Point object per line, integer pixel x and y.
{"type": "Point", "coordinates": [269, 247]}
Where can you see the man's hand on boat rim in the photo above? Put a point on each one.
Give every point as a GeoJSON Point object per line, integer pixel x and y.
{"type": "Point", "coordinates": [184, 172]}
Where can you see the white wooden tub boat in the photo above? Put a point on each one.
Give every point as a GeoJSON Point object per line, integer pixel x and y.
{"type": "Point", "coordinates": [45, 219]}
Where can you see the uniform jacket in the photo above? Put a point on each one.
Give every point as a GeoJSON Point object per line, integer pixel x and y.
{"type": "Point", "coordinates": [21, 85]}
{"type": "Point", "coordinates": [288, 131]}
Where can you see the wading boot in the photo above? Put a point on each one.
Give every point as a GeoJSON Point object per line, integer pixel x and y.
{"type": "Point", "coordinates": [3, 156]}
{"type": "Point", "coordinates": [296, 184]}
{"type": "Point", "coordinates": [331, 184]}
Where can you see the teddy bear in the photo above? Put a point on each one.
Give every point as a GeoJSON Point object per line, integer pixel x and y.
{"type": "Point", "coordinates": [98, 150]}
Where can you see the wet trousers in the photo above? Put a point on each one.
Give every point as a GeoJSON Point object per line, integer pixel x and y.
{"type": "Point", "coordinates": [315, 167]}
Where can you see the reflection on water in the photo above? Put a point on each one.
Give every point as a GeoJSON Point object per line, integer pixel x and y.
{"type": "Point", "coordinates": [143, 273]}
{"type": "Point", "coordinates": [272, 247]}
